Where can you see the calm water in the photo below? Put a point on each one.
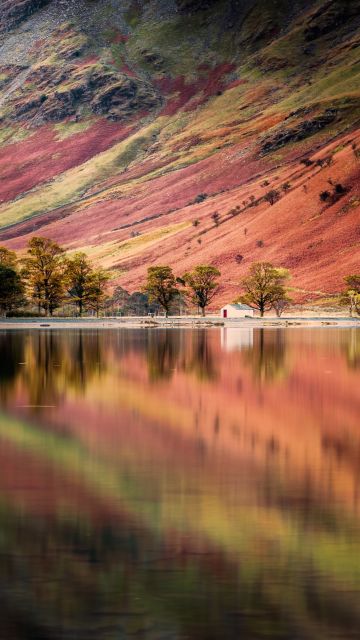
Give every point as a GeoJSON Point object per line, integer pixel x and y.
{"type": "Point", "coordinates": [172, 485]}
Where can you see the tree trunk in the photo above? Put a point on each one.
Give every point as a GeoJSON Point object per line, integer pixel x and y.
{"type": "Point", "coordinates": [203, 312]}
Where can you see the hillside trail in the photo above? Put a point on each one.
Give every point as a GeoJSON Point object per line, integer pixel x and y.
{"type": "Point", "coordinates": [16, 84]}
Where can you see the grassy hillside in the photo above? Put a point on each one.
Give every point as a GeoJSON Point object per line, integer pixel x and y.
{"type": "Point", "coordinates": [123, 123]}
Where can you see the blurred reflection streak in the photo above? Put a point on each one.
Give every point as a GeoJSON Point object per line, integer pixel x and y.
{"type": "Point", "coordinates": [267, 355]}
{"type": "Point", "coordinates": [49, 366]}
{"type": "Point", "coordinates": [233, 339]}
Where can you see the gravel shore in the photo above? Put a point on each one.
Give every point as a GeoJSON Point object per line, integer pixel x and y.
{"type": "Point", "coordinates": [173, 322]}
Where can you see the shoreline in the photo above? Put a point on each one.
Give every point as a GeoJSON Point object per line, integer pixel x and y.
{"type": "Point", "coordinates": [179, 322]}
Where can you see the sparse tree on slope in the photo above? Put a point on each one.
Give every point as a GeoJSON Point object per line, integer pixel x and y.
{"type": "Point", "coordinates": [264, 287]}
{"type": "Point", "coordinates": [202, 284]}
{"type": "Point", "coordinates": [161, 287]}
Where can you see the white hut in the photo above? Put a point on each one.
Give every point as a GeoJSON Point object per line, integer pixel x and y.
{"type": "Point", "coordinates": [237, 311]}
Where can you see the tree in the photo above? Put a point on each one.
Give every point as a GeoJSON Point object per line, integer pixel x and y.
{"type": "Point", "coordinates": [351, 295]}
{"type": "Point", "coordinates": [7, 258]}
{"type": "Point", "coordinates": [216, 218]}
{"type": "Point", "coordinates": [202, 285]}
{"type": "Point", "coordinates": [119, 300]}
{"type": "Point", "coordinates": [324, 196]}
{"type": "Point", "coordinates": [78, 279]}
{"type": "Point", "coordinates": [43, 272]}
{"type": "Point", "coordinates": [272, 196]}
{"type": "Point", "coordinates": [264, 286]}
{"type": "Point", "coordinates": [161, 287]}
{"type": "Point", "coordinates": [280, 304]}
{"type": "Point", "coordinates": [11, 290]}
{"type": "Point", "coordinates": [96, 292]}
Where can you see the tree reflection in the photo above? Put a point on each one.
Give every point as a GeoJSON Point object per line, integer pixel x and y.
{"type": "Point", "coordinates": [163, 351]}
{"type": "Point", "coordinates": [267, 356]}
{"type": "Point", "coordinates": [352, 349]}
{"type": "Point", "coordinates": [190, 352]}
{"type": "Point", "coordinates": [201, 360]}
{"type": "Point", "coordinates": [11, 360]}
{"type": "Point", "coordinates": [47, 365]}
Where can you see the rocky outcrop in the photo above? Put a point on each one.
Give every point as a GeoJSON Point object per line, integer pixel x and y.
{"type": "Point", "coordinates": [123, 98]}
{"type": "Point", "coordinates": [192, 6]}
{"type": "Point", "coordinates": [303, 130]}
{"type": "Point", "coordinates": [65, 92]}
{"type": "Point", "coordinates": [331, 17]}
{"type": "Point", "coordinates": [15, 11]}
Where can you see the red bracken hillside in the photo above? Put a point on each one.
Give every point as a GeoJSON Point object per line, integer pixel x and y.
{"type": "Point", "coordinates": [124, 128]}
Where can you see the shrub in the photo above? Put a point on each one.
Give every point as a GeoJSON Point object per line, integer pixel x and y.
{"type": "Point", "coordinates": [325, 196]}
{"type": "Point", "coordinates": [324, 162]}
{"type": "Point", "coordinates": [340, 189]}
{"type": "Point", "coordinates": [272, 196]}
{"type": "Point", "coordinates": [259, 243]}
{"type": "Point", "coordinates": [216, 218]}
{"type": "Point", "coordinates": [200, 198]}
{"type": "Point", "coordinates": [196, 223]}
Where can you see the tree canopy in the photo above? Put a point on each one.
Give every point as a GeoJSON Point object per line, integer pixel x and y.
{"type": "Point", "coordinates": [161, 286]}
{"type": "Point", "coordinates": [78, 276]}
{"type": "Point", "coordinates": [264, 287]}
{"type": "Point", "coordinates": [351, 294]}
{"type": "Point", "coordinates": [202, 285]}
{"type": "Point", "coordinates": [11, 290]}
{"type": "Point", "coordinates": [7, 258]}
{"type": "Point", "coordinates": [43, 272]}
{"type": "Point", "coordinates": [96, 295]}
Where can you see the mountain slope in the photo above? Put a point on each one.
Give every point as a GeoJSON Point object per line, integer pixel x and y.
{"type": "Point", "coordinates": [125, 126]}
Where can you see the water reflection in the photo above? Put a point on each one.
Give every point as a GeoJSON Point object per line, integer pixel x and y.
{"type": "Point", "coordinates": [180, 484]}
{"type": "Point", "coordinates": [235, 339]}
{"type": "Point", "coordinates": [11, 359]}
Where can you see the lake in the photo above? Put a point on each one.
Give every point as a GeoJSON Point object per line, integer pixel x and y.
{"type": "Point", "coordinates": [180, 484]}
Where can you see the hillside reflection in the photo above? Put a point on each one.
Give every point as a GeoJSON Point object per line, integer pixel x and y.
{"type": "Point", "coordinates": [170, 484]}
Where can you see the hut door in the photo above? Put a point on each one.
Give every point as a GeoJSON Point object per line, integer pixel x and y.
{"type": "Point", "coordinates": [225, 313]}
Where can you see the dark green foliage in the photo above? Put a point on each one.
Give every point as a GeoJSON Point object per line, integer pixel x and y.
{"type": "Point", "coordinates": [272, 196]}
{"type": "Point", "coordinates": [11, 290]}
